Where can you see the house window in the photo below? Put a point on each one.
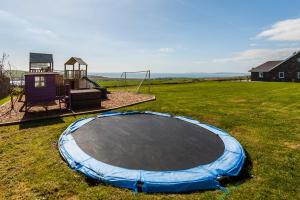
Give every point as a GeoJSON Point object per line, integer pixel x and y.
{"type": "Point", "coordinates": [260, 74]}
{"type": "Point", "coordinates": [298, 75]}
{"type": "Point", "coordinates": [39, 81]}
{"type": "Point", "coordinates": [281, 74]}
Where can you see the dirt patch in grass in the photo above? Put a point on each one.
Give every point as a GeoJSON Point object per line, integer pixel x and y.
{"type": "Point", "coordinates": [292, 145]}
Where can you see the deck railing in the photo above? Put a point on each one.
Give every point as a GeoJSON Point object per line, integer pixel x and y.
{"type": "Point", "coordinates": [74, 74]}
{"type": "Point", "coordinates": [40, 70]}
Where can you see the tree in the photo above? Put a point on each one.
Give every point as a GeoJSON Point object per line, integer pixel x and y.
{"type": "Point", "coordinates": [3, 63]}
{"type": "Point", "coordinates": [6, 70]}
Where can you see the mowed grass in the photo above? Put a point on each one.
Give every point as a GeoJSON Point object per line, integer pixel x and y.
{"type": "Point", "coordinates": [135, 82]}
{"type": "Point", "coordinates": [264, 117]}
{"type": "Point", "coordinates": [159, 81]}
{"type": "Point", "coordinates": [4, 100]}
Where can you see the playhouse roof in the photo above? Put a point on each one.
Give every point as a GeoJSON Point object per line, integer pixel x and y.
{"type": "Point", "coordinates": [74, 60]}
{"type": "Point", "coordinates": [40, 73]}
{"type": "Point", "coordinates": [41, 58]}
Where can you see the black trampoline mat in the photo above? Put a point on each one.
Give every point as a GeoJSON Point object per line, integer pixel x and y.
{"type": "Point", "coordinates": [148, 142]}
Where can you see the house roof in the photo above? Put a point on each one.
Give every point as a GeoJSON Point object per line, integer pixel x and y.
{"type": "Point", "coordinates": [41, 58]}
{"type": "Point", "coordinates": [266, 67]}
{"type": "Point", "coordinates": [74, 60]}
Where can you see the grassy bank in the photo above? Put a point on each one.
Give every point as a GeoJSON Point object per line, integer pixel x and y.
{"type": "Point", "coordinates": [264, 117]}
{"type": "Point", "coordinates": [4, 100]}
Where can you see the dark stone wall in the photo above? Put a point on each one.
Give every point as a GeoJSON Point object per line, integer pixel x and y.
{"type": "Point", "coordinates": [290, 69]}
{"type": "Point", "coordinates": [255, 77]}
{"type": "Point", "coordinates": [4, 86]}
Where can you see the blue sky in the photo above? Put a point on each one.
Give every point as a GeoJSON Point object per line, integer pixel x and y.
{"type": "Point", "coordinates": [162, 35]}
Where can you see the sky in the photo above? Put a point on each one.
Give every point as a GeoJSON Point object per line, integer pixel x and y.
{"type": "Point", "coordinates": [165, 36]}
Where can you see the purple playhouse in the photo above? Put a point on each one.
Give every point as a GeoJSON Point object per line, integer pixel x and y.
{"type": "Point", "coordinates": [45, 87]}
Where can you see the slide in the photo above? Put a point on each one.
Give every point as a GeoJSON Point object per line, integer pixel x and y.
{"type": "Point", "coordinates": [98, 87]}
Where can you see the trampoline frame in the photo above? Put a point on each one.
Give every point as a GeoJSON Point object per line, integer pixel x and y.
{"type": "Point", "coordinates": [197, 178]}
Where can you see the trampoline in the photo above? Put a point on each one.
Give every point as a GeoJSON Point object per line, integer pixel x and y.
{"type": "Point", "coordinates": [151, 152]}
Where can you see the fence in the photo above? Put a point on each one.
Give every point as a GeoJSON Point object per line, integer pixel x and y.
{"type": "Point", "coordinates": [4, 86]}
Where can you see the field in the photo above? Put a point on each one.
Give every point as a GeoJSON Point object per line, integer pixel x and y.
{"type": "Point", "coordinates": [264, 117]}
{"type": "Point", "coordinates": [108, 82]}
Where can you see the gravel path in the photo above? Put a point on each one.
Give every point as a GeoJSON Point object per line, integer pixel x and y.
{"type": "Point", "coordinates": [115, 100]}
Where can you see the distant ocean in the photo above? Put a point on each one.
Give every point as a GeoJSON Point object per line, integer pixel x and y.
{"type": "Point", "coordinates": [173, 75]}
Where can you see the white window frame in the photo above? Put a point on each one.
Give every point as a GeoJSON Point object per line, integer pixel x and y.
{"type": "Point", "coordinates": [298, 75]}
{"type": "Point", "coordinates": [260, 74]}
{"type": "Point", "coordinates": [39, 81]}
{"type": "Point", "coordinates": [280, 74]}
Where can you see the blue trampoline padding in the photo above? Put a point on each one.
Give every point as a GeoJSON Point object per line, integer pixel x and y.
{"type": "Point", "coordinates": [198, 178]}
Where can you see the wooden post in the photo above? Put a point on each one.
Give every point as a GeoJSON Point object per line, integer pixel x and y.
{"type": "Point", "coordinates": [79, 72]}
{"type": "Point", "coordinates": [149, 80]}
{"type": "Point", "coordinates": [125, 80]}
{"type": "Point", "coordinates": [73, 72]}
{"type": "Point", "coordinates": [86, 74]}
{"type": "Point", "coordinates": [12, 107]}
{"type": "Point", "coordinates": [65, 72]}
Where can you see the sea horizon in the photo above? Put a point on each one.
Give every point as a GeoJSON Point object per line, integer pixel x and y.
{"type": "Point", "coordinates": [171, 75]}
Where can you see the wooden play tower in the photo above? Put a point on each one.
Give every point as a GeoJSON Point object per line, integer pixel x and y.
{"type": "Point", "coordinates": [75, 75]}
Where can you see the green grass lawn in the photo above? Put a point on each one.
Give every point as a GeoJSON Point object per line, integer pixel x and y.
{"type": "Point", "coordinates": [4, 100]}
{"type": "Point", "coordinates": [135, 82]}
{"type": "Point", "coordinates": [264, 117]}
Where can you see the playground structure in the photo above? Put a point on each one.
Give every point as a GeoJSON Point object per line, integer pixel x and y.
{"type": "Point", "coordinates": [40, 62]}
{"type": "Point", "coordinates": [43, 93]}
{"type": "Point", "coordinates": [45, 87]}
{"type": "Point", "coordinates": [70, 90]}
{"type": "Point", "coordinates": [74, 76]}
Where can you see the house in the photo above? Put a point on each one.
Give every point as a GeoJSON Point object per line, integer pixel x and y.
{"type": "Point", "coordinates": [287, 70]}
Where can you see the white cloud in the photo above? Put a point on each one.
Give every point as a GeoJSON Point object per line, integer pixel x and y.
{"type": "Point", "coordinates": [166, 50]}
{"type": "Point", "coordinates": [23, 27]}
{"type": "Point", "coordinates": [286, 30]}
{"type": "Point", "coordinates": [244, 60]}
{"type": "Point", "coordinates": [42, 32]}
{"type": "Point", "coordinates": [258, 55]}
{"type": "Point", "coordinates": [253, 44]}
